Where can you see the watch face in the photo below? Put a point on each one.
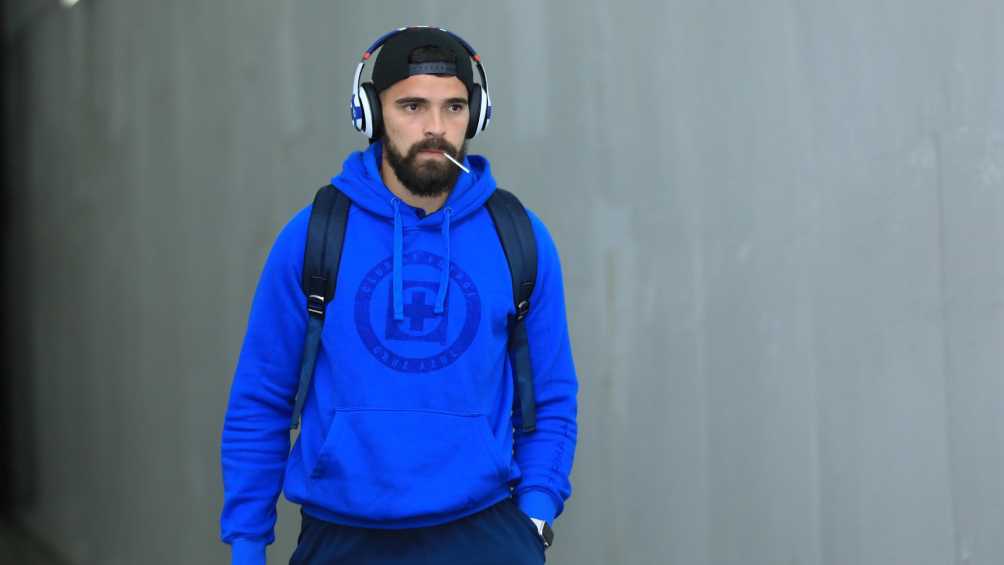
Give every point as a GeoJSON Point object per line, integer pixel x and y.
{"type": "Point", "coordinates": [548, 535]}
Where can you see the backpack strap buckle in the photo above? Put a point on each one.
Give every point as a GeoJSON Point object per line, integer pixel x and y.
{"type": "Point", "coordinates": [522, 309]}
{"type": "Point", "coordinates": [315, 296]}
{"type": "Point", "coordinates": [315, 305]}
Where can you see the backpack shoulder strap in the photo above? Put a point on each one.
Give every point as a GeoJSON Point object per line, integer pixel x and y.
{"type": "Point", "coordinates": [321, 259]}
{"type": "Point", "coordinates": [520, 246]}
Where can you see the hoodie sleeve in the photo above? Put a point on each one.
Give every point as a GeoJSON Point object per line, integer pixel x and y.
{"type": "Point", "coordinates": [545, 456]}
{"type": "Point", "coordinates": [255, 440]}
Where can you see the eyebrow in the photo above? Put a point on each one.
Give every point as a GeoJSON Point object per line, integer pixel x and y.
{"type": "Point", "coordinates": [419, 100]}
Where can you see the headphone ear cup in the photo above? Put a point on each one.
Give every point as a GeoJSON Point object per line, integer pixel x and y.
{"type": "Point", "coordinates": [372, 113]}
{"type": "Point", "coordinates": [475, 107]}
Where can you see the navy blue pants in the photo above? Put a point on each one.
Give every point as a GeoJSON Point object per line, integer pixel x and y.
{"type": "Point", "coordinates": [501, 535]}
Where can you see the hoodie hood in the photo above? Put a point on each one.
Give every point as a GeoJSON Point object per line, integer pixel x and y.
{"type": "Point", "coordinates": [361, 181]}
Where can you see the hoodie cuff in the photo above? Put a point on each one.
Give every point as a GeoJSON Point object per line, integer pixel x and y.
{"type": "Point", "coordinates": [537, 504]}
{"type": "Point", "coordinates": [247, 552]}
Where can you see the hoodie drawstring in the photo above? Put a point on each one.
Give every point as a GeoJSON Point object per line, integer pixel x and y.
{"type": "Point", "coordinates": [444, 277]}
{"type": "Point", "coordinates": [398, 252]}
{"type": "Point", "coordinates": [398, 282]}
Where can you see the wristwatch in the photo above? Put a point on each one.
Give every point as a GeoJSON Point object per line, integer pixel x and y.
{"type": "Point", "coordinates": [545, 532]}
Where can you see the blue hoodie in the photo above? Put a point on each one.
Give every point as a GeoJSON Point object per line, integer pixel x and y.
{"type": "Point", "coordinates": [409, 420]}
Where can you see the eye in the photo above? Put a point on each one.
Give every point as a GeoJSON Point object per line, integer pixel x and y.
{"type": "Point", "coordinates": [410, 107]}
{"type": "Point", "coordinates": [456, 108]}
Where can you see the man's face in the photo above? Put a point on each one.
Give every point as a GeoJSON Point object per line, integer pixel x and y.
{"type": "Point", "coordinates": [423, 116]}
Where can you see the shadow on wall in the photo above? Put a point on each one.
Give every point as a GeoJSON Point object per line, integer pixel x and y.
{"type": "Point", "coordinates": [18, 450]}
{"type": "Point", "coordinates": [18, 457]}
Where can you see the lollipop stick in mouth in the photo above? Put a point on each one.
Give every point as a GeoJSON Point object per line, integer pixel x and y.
{"type": "Point", "coordinates": [454, 161]}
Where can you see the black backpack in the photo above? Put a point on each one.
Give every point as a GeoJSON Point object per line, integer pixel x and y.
{"type": "Point", "coordinates": [325, 238]}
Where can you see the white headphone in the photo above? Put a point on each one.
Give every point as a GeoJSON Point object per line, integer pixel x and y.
{"type": "Point", "coordinates": [367, 116]}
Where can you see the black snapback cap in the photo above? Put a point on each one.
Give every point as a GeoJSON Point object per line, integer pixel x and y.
{"type": "Point", "coordinates": [392, 63]}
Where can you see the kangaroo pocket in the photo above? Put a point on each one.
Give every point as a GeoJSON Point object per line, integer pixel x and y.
{"type": "Point", "coordinates": [403, 464]}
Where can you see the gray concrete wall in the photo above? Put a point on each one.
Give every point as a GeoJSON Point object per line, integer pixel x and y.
{"type": "Point", "coordinates": [782, 228]}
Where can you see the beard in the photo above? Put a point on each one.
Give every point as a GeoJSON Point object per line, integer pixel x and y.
{"type": "Point", "coordinates": [431, 177]}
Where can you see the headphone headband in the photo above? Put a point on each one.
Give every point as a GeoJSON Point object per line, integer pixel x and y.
{"type": "Point", "coordinates": [383, 39]}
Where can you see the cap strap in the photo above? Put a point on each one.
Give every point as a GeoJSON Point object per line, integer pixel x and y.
{"type": "Point", "coordinates": [432, 68]}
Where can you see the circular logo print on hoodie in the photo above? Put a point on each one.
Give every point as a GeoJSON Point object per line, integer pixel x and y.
{"type": "Point", "coordinates": [423, 340]}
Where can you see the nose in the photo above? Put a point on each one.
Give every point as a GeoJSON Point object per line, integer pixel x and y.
{"type": "Point", "coordinates": [435, 125]}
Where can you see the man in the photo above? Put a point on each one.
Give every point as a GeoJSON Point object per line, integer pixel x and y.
{"type": "Point", "coordinates": [407, 452]}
